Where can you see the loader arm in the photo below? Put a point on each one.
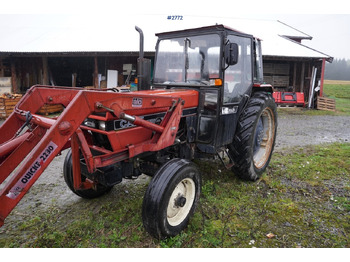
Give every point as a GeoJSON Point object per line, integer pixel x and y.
{"type": "Point", "coordinates": [30, 141]}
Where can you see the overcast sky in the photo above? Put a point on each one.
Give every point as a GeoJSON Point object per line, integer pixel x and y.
{"type": "Point", "coordinates": [330, 32]}
{"type": "Point", "coordinates": [328, 22]}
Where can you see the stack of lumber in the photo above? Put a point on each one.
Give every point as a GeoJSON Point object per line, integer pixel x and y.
{"type": "Point", "coordinates": [8, 103]}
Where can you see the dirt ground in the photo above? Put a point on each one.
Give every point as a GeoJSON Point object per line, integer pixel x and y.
{"type": "Point", "coordinates": [293, 130]}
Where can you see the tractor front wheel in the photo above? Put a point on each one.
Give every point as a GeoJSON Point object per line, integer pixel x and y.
{"type": "Point", "coordinates": [171, 198]}
{"type": "Point", "coordinates": [68, 178]}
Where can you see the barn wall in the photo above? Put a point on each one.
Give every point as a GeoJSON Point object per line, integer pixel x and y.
{"type": "Point", "coordinates": [291, 75]}
{"type": "Point", "coordinates": [284, 74]}
{"type": "Point", "coordinates": [64, 70]}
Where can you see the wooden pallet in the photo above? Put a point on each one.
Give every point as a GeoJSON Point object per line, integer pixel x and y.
{"type": "Point", "coordinates": [324, 103]}
{"type": "Point", "coordinates": [7, 104]}
{"type": "Point", "coordinates": [50, 109]}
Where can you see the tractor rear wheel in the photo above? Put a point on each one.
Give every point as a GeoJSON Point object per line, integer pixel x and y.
{"type": "Point", "coordinates": [68, 178]}
{"type": "Point", "coordinates": [255, 136]}
{"type": "Point", "coordinates": [171, 198]}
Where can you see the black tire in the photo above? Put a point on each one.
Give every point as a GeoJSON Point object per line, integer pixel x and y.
{"type": "Point", "coordinates": [171, 198]}
{"type": "Point", "coordinates": [68, 178]}
{"type": "Point", "coordinates": [255, 137]}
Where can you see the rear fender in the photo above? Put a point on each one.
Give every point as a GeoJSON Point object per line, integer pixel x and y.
{"type": "Point", "coordinates": [262, 87]}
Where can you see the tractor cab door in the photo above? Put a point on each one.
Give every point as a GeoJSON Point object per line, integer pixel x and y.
{"type": "Point", "coordinates": [208, 115]}
{"type": "Point", "coordinates": [236, 90]}
{"type": "Point", "coordinates": [219, 107]}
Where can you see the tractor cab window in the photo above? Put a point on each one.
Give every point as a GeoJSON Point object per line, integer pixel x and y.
{"type": "Point", "coordinates": [238, 77]}
{"type": "Point", "coordinates": [188, 60]}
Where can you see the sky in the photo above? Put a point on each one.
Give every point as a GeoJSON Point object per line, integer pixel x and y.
{"type": "Point", "coordinates": [330, 32]}
{"type": "Point", "coordinates": [328, 22]}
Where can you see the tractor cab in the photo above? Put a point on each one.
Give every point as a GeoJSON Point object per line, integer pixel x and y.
{"type": "Point", "coordinates": [219, 62]}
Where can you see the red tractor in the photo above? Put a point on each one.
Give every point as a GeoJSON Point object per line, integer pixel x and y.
{"type": "Point", "coordinates": [206, 99]}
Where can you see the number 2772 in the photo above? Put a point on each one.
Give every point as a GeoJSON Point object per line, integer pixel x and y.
{"type": "Point", "coordinates": [175, 17]}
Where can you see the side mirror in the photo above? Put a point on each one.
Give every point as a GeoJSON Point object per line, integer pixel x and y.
{"type": "Point", "coordinates": [231, 54]}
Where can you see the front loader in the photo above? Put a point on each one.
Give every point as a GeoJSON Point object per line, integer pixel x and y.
{"type": "Point", "coordinates": [206, 99]}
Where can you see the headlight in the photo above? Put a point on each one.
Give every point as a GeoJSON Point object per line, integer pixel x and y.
{"type": "Point", "coordinates": [102, 125]}
{"type": "Point", "coordinates": [225, 110]}
{"type": "Point", "coordinates": [89, 123]}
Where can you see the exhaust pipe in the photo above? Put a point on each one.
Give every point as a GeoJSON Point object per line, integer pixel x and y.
{"type": "Point", "coordinates": [138, 29]}
{"type": "Point", "coordinates": [143, 67]}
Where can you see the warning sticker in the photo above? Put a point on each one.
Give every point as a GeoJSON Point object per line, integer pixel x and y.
{"type": "Point", "coordinates": [31, 171]}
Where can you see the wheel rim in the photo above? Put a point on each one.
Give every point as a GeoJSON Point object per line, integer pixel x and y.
{"type": "Point", "coordinates": [264, 137]}
{"type": "Point", "coordinates": [181, 201]}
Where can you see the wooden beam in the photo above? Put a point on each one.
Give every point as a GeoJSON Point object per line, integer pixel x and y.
{"type": "Point", "coordinates": [295, 77]}
{"type": "Point", "coordinates": [1, 68]}
{"type": "Point", "coordinates": [302, 77]}
{"type": "Point", "coordinates": [45, 71]}
{"type": "Point", "coordinates": [322, 76]}
{"type": "Point", "coordinates": [96, 84]}
{"type": "Point", "coordinates": [13, 77]}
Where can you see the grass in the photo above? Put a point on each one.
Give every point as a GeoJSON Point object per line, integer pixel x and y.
{"type": "Point", "coordinates": [303, 200]}
{"type": "Point", "coordinates": [340, 91]}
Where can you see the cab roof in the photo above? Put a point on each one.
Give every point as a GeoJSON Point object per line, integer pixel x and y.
{"type": "Point", "coordinates": [201, 30]}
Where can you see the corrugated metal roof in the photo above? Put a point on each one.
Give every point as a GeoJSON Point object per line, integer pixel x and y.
{"type": "Point", "coordinates": [67, 33]}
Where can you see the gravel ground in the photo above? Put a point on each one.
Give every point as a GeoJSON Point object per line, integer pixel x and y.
{"type": "Point", "coordinates": [293, 130]}
{"type": "Point", "coordinates": [300, 130]}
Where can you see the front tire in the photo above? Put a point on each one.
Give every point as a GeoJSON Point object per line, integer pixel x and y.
{"type": "Point", "coordinates": [171, 198]}
{"type": "Point", "coordinates": [255, 137]}
{"type": "Point", "coordinates": [68, 178]}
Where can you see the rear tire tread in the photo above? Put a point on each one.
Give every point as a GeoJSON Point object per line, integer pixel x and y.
{"type": "Point", "coordinates": [241, 148]}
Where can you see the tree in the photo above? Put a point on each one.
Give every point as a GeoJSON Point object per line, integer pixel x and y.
{"type": "Point", "coordinates": [338, 70]}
